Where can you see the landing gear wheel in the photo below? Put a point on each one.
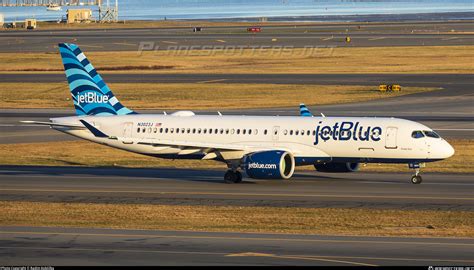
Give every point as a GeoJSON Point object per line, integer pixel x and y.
{"type": "Point", "coordinates": [416, 179]}
{"type": "Point", "coordinates": [239, 177]}
{"type": "Point", "coordinates": [231, 177]}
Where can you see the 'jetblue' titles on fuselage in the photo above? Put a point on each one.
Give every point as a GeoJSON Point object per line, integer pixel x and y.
{"type": "Point", "coordinates": [346, 131]}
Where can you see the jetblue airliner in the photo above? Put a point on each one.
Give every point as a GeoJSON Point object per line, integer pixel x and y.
{"type": "Point", "coordinates": [264, 147]}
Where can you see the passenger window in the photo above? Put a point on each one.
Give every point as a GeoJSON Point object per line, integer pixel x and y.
{"type": "Point", "coordinates": [250, 131]}
{"type": "Point", "coordinates": [285, 132]}
{"type": "Point", "coordinates": [255, 131]}
{"type": "Point", "coordinates": [204, 131]}
{"type": "Point", "coordinates": [188, 130]}
{"type": "Point", "coordinates": [238, 131]}
{"type": "Point", "coordinates": [314, 132]}
{"type": "Point", "coordinates": [297, 132]}
{"type": "Point", "coordinates": [199, 131]}
{"type": "Point", "coordinates": [308, 132]}
{"type": "Point", "coordinates": [210, 131]}
{"type": "Point", "coordinates": [243, 131]}
{"type": "Point", "coordinates": [291, 132]}
{"type": "Point", "coordinates": [431, 134]}
{"type": "Point", "coordinates": [417, 134]}
{"type": "Point", "coordinates": [171, 130]}
{"type": "Point", "coordinates": [226, 131]}
{"type": "Point", "coordinates": [265, 132]}
{"type": "Point", "coordinates": [161, 130]}
{"type": "Point", "coordinates": [155, 130]}
{"type": "Point", "coordinates": [215, 131]}
{"type": "Point", "coordinates": [232, 131]}
{"type": "Point", "coordinates": [194, 130]}
{"type": "Point", "coordinates": [221, 131]}
{"type": "Point", "coordinates": [143, 130]}
{"type": "Point", "coordinates": [138, 130]}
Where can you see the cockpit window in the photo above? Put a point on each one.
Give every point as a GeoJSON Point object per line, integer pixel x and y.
{"type": "Point", "coordinates": [417, 134]}
{"type": "Point", "coordinates": [430, 133]}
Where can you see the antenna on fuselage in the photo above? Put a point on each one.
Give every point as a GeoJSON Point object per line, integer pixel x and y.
{"type": "Point", "coordinates": [164, 112]}
{"type": "Point", "coordinates": [322, 114]}
{"type": "Point", "coordinates": [219, 113]}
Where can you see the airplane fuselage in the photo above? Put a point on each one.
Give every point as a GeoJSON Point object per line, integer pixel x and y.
{"type": "Point", "coordinates": [310, 139]}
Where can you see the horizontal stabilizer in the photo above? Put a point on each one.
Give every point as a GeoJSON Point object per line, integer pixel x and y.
{"type": "Point", "coordinates": [52, 124]}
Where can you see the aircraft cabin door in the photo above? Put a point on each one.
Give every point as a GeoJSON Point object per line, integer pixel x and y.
{"type": "Point", "coordinates": [275, 133]}
{"type": "Point", "coordinates": [391, 138]}
{"type": "Point", "coordinates": [127, 133]}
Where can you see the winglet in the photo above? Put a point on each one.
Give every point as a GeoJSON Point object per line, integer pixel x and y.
{"type": "Point", "coordinates": [94, 130]}
{"type": "Point", "coordinates": [304, 110]}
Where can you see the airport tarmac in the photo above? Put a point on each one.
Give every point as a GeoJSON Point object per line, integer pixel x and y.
{"type": "Point", "coordinates": [310, 35]}
{"type": "Point", "coordinates": [76, 246]}
{"type": "Point", "coordinates": [449, 110]}
{"type": "Point", "coordinates": [171, 186]}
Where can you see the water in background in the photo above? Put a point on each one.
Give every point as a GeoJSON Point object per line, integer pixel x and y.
{"type": "Point", "coordinates": [218, 9]}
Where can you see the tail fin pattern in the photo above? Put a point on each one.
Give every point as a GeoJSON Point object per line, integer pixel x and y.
{"type": "Point", "coordinates": [89, 92]}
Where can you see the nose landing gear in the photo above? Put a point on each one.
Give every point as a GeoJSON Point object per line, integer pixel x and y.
{"type": "Point", "coordinates": [415, 179]}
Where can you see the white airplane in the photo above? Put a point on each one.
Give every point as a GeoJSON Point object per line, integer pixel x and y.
{"type": "Point", "coordinates": [265, 147]}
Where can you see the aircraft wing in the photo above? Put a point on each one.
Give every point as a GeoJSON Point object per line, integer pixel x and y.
{"type": "Point", "coordinates": [212, 149]}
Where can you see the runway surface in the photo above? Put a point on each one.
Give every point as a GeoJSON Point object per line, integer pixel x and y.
{"type": "Point", "coordinates": [449, 110]}
{"type": "Point", "coordinates": [74, 246]}
{"type": "Point", "coordinates": [311, 35]}
{"type": "Point", "coordinates": [206, 187]}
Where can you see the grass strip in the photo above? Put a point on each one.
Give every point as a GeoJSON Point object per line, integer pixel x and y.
{"type": "Point", "coordinates": [328, 221]}
{"type": "Point", "coordinates": [401, 59]}
{"type": "Point", "coordinates": [197, 96]}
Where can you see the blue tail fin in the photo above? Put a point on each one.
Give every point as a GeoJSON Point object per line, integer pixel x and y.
{"type": "Point", "coordinates": [304, 110]}
{"type": "Point", "coordinates": [89, 92]}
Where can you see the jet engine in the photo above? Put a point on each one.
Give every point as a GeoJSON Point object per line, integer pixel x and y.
{"type": "Point", "coordinates": [270, 165]}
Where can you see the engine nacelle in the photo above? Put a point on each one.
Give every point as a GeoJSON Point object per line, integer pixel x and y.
{"type": "Point", "coordinates": [339, 167]}
{"type": "Point", "coordinates": [270, 165]}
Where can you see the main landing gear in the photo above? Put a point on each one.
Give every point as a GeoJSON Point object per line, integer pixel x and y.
{"type": "Point", "coordinates": [416, 178]}
{"type": "Point", "coordinates": [231, 177]}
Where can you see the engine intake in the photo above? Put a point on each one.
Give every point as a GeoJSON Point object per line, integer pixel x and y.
{"type": "Point", "coordinates": [270, 165]}
{"type": "Point", "coordinates": [337, 167]}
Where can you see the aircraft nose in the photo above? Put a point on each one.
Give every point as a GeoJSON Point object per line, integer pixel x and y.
{"type": "Point", "coordinates": [447, 150]}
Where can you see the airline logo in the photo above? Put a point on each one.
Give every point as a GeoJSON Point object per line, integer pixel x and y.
{"type": "Point", "coordinates": [346, 131]}
{"type": "Point", "coordinates": [256, 165]}
{"type": "Point", "coordinates": [92, 97]}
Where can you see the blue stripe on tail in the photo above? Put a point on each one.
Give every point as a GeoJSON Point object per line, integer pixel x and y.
{"type": "Point", "coordinates": [89, 92]}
